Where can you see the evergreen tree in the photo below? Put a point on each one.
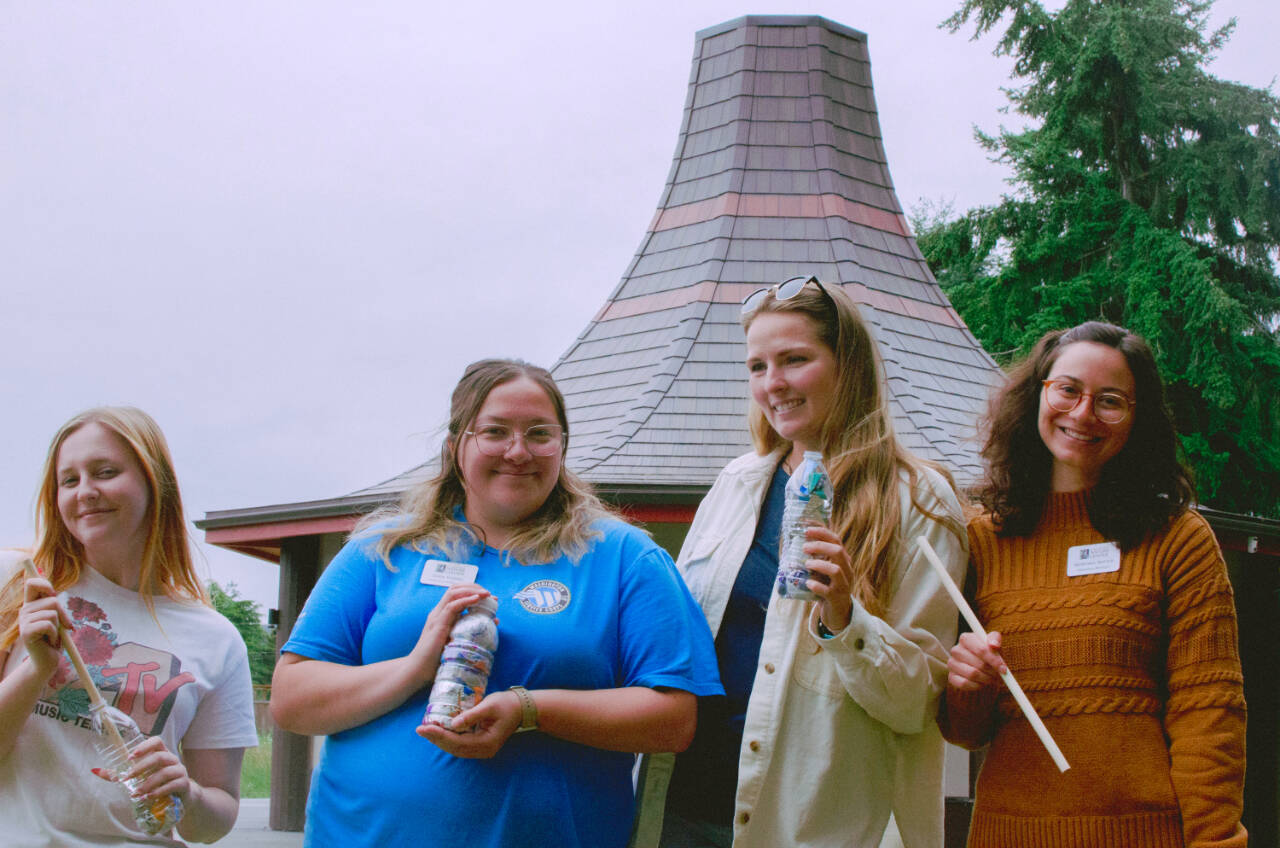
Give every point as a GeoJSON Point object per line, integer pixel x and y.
{"type": "Point", "coordinates": [247, 618]}
{"type": "Point", "coordinates": [1147, 194]}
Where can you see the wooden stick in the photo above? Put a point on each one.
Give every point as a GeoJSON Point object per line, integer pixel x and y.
{"type": "Point", "coordinates": [86, 680]}
{"type": "Point", "coordinates": [1007, 676]}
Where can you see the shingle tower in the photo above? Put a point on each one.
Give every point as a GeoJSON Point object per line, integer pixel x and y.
{"type": "Point", "coordinates": [779, 170]}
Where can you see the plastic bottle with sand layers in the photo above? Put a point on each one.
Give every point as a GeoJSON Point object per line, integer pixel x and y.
{"type": "Point", "coordinates": [463, 674]}
{"type": "Point", "coordinates": [807, 502]}
{"type": "Point", "coordinates": [118, 736]}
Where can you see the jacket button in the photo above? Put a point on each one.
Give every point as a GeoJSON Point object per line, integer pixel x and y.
{"type": "Point", "coordinates": [744, 818]}
{"type": "Point", "coordinates": [858, 644]}
{"type": "Point", "coordinates": [753, 745]}
{"type": "Point", "coordinates": [768, 667]}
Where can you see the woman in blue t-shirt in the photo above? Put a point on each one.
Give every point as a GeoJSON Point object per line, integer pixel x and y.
{"type": "Point", "coordinates": [602, 650]}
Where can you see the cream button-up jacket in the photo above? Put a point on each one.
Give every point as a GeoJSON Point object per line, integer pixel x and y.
{"type": "Point", "coordinates": [839, 732]}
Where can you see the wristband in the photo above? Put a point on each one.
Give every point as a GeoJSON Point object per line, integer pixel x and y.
{"type": "Point", "coordinates": [528, 709]}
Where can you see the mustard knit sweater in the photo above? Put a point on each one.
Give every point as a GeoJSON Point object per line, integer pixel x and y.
{"type": "Point", "coordinates": [1136, 673]}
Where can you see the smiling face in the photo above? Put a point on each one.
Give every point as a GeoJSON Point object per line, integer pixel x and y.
{"type": "Point", "coordinates": [1079, 443]}
{"type": "Point", "coordinates": [503, 491]}
{"type": "Point", "coordinates": [103, 494]}
{"type": "Point", "coordinates": [792, 376]}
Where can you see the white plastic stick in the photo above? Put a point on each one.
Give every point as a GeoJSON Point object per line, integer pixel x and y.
{"type": "Point", "coordinates": [1007, 676]}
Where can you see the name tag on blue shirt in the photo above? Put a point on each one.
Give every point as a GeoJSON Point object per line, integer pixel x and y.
{"type": "Point", "coordinates": [1093, 559]}
{"type": "Point", "coordinates": [439, 572]}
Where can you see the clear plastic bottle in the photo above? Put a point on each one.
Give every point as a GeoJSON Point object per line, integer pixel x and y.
{"type": "Point", "coordinates": [118, 736]}
{"type": "Point", "coordinates": [463, 674]}
{"type": "Point", "coordinates": [808, 502]}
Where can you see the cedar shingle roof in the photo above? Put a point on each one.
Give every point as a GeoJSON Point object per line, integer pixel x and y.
{"type": "Point", "coordinates": [779, 170]}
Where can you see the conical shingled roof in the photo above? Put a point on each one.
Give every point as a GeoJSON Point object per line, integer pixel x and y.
{"type": "Point", "coordinates": [779, 170]}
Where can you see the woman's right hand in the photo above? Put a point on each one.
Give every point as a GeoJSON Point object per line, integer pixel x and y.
{"type": "Point", "coordinates": [319, 698]}
{"type": "Point", "coordinates": [435, 633]}
{"type": "Point", "coordinates": [974, 663]}
{"type": "Point", "coordinates": [38, 620]}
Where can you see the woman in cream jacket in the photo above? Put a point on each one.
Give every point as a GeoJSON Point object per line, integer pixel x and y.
{"type": "Point", "coordinates": [828, 725]}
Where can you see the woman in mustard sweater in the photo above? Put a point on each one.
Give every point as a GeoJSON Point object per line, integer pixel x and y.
{"type": "Point", "coordinates": [1109, 598]}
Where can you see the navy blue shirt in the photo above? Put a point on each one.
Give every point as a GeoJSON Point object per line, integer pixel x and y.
{"type": "Point", "coordinates": [705, 780]}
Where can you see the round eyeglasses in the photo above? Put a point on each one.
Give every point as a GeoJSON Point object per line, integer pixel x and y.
{"type": "Point", "coordinates": [539, 440]}
{"type": "Point", "coordinates": [1108, 407]}
{"type": "Point", "coordinates": [784, 290]}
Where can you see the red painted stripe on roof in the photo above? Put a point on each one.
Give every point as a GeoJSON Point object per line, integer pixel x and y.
{"type": "Point", "coordinates": [704, 291]}
{"type": "Point", "coordinates": [711, 292]}
{"type": "Point", "coordinates": [780, 206]}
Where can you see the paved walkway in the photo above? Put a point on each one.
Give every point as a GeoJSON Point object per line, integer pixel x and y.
{"type": "Point", "coordinates": [251, 830]}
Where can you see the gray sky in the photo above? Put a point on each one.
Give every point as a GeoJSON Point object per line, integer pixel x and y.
{"type": "Point", "coordinates": [284, 228]}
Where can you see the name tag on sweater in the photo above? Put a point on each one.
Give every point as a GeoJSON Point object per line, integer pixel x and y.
{"type": "Point", "coordinates": [1093, 559]}
{"type": "Point", "coordinates": [437, 572]}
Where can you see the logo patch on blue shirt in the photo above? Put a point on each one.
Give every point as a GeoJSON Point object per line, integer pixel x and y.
{"type": "Point", "coordinates": [544, 597]}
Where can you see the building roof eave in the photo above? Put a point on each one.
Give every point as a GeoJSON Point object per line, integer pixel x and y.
{"type": "Point", "coordinates": [347, 505]}
{"type": "Point", "coordinates": [1243, 522]}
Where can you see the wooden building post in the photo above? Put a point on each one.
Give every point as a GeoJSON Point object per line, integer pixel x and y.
{"type": "Point", "coordinates": [291, 752]}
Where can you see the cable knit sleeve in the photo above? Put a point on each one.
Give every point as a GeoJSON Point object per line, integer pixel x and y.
{"type": "Point", "coordinates": [896, 667]}
{"type": "Point", "coordinates": [967, 719]}
{"type": "Point", "coordinates": [1205, 714]}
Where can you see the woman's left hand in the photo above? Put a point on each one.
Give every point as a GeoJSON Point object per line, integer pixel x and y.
{"type": "Point", "coordinates": [160, 770]}
{"type": "Point", "coordinates": [830, 568]}
{"type": "Point", "coordinates": [481, 731]}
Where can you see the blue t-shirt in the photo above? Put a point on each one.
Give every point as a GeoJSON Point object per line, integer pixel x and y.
{"type": "Point", "coordinates": [620, 617]}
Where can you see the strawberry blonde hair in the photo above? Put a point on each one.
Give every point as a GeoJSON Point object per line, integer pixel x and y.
{"type": "Point", "coordinates": [166, 568]}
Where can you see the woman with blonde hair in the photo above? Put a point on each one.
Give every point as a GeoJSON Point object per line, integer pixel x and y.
{"type": "Point", "coordinates": [601, 650]}
{"type": "Point", "coordinates": [828, 724]}
{"type": "Point", "coordinates": [118, 580]}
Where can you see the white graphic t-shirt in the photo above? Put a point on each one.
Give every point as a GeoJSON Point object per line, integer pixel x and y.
{"type": "Point", "coordinates": [182, 675]}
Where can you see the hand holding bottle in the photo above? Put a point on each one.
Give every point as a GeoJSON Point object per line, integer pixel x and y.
{"type": "Point", "coordinates": [828, 565]}
{"type": "Point", "coordinates": [435, 633]}
{"type": "Point", "coordinates": [154, 777]}
{"type": "Point", "coordinates": [807, 504]}
{"type": "Point", "coordinates": [462, 675]}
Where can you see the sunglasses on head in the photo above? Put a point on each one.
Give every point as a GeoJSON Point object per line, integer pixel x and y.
{"type": "Point", "coordinates": [784, 290]}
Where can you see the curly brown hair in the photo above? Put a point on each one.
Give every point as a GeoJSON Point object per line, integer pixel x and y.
{"type": "Point", "coordinates": [1140, 489]}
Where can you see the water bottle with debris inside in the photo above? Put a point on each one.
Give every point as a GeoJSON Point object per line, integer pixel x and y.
{"type": "Point", "coordinates": [118, 736]}
{"type": "Point", "coordinates": [807, 502]}
{"type": "Point", "coordinates": [464, 668]}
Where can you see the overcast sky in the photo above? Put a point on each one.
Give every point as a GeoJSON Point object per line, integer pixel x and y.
{"type": "Point", "coordinates": [283, 228]}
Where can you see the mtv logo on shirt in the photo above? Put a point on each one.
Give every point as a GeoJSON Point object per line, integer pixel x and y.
{"type": "Point", "coordinates": [138, 680]}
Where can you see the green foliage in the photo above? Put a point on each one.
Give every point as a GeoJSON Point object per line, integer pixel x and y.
{"type": "Point", "coordinates": [247, 618]}
{"type": "Point", "coordinates": [1147, 193]}
{"type": "Point", "coordinates": [255, 770]}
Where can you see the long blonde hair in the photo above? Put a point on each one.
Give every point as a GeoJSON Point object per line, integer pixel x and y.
{"type": "Point", "coordinates": [166, 567]}
{"type": "Point", "coordinates": [426, 515]}
{"type": "Point", "coordinates": [861, 452]}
